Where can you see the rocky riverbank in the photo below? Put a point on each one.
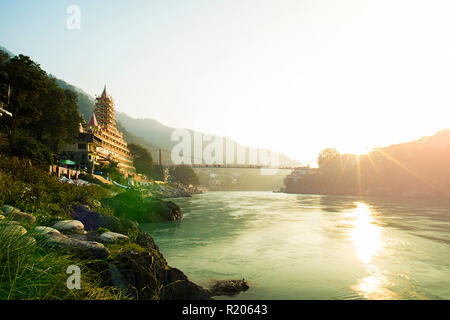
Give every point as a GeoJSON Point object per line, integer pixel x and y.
{"type": "Point", "coordinates": [172, 190]}
{"type": "Point", "coordinates": [120, 252]}
{"type": "Point", "coordinates": [48, 225]}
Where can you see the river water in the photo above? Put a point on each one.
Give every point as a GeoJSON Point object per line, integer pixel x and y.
{"type": "Point", "coordinates": [311, 246]}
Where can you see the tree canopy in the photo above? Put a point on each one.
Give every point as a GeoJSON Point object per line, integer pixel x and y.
{"type": "Point", "coordinates": [44, 115]}
{"type": "Point", "coordinates": [184, 175]}
{"type": "Point", "coordinates": [142, 159]}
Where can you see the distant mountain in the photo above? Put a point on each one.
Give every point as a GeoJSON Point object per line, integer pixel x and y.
{"type": "Point", "coordinates": [149, 133]}
{"type": "Point", "coordinates": [160, 134]}
{"type": "Point", "coordinates": [152, 148]}
{"type": "Point", "coordinates": [85, 101]}
{"type": "Point", "coordinates": [147, 128]}
{"type": "Point", "coordinates": [10, 54]}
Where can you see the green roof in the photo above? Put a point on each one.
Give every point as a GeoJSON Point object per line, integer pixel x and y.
{"type": "Point", "coordinates": [66, 161]}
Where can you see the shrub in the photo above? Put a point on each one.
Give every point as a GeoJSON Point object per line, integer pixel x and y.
{"type": "Point", "coordinates": [28, 147]}
{"type": "Point", "coordinates": [33, 190]}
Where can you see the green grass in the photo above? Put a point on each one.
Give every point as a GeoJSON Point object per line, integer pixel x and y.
{"type": "Point", "coordinates": [116, 248]}
{"type": "Point", "coordinates": [28, 271]}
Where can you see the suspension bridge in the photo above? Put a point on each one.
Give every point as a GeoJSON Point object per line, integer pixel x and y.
{"type": "Point", "coordinates": [197, 163]}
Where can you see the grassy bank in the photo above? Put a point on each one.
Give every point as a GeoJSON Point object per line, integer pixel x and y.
{"type": "Point", "coordinates": [33, 263]}
{"type": "Point", "coordinates": [28, 271]}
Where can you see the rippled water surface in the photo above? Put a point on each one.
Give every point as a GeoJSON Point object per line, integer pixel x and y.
{"type": "Point", "coordinates": [311, 246]}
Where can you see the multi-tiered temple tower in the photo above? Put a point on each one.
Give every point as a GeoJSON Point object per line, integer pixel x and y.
{"type": "Point", "coordinates": [100, 141]}
{"type": "Point", "coordinates": [103, 125]}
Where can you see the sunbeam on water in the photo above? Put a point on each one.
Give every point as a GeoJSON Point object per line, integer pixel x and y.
{"type": "Point", "coordinates": [366, 236]}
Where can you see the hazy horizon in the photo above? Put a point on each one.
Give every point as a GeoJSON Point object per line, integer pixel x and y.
{"type": "Point", "coordinates": [294, 78]}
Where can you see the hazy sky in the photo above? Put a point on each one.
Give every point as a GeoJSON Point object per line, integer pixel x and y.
{"type": "Point", "coordinates": [293, 76]}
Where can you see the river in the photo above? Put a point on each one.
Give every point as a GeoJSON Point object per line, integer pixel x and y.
{"type": "Point", "coordinates": [311, 246]}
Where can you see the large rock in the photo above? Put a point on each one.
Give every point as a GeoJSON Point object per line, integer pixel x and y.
{"type": "Point", "coordinates": [228, 287]}
{"type": "Point", "coordinates": [119, 225]}
{"type": "Point", "coordinates": [12, 230]}
{"type": "Point", "coordinates": [146, 241]}
{"type": "Point", "coordinates": [146, 275]}
{"type": "Point", "coordinates": [81, 248]}
{"type": "Point", "coordinates": [69, 226]}
{"type": "Point", "coordinates": [94, 220]}
{"type": "Point", "coordinates": [112, 237]}
{"type": "Point", "coordinates": [132, 205]}
{"type": "Point", "coordinates": [179, 287]}
{"type": "Point", "coordinates": [159, 210]}
{"type": "Point", "coordinates": [41, 230]}
{"type": "Point", "coordinates": [16, 234]}
{"type": "Point", "coordinates": [15, 214]}
{"type": "Point", "coordinates": [8, 209]}
{"type": "Point", "coordinates": [9, 222]}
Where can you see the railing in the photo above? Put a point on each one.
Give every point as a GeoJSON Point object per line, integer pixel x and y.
{"type": "Point", "coordinates": [63, 171]}
{"type": "Point", "coordinates": [234, 166]}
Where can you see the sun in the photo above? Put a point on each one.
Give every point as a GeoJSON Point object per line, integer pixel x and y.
{"type": "Point", "coordinates": [357, 150]}
{"type": "Point", "coordinates": [361, 151]}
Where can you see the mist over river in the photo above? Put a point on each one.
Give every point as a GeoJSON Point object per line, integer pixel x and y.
{"type": "Point", "coordinates": [311, 246]}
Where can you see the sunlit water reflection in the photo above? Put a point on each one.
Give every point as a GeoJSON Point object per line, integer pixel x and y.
{"type": "Point", "coordinates": [368, 242]}
{"type": "Point", "coordinates": [366, 236]}
{"type": "Point", "coordinates": [312, 247]}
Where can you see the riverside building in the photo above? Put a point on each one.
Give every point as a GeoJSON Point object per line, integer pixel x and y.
{"type": "Point", "coordinates": [99, 141]}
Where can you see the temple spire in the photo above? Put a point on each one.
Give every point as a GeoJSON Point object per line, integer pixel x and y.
{"type": "Point", "coordinates": [104, 94]}
{"type": "Point", "coordinates": [93, 121]}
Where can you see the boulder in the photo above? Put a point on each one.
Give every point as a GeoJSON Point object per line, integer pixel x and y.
{"type": "Point", "coordinates": [12, 230]}
{"type": "Point", "coordinates": [117, 280]}
{"type": "Point", "coordinates": [94, 220]}
{"type": "Point", "coordinates": [15, 214]}
{"type": "Point", "coordinates": [112, 237]}
{"type": "Point", "coordinates": [41, 230]}
{"type": "Point", "coordinates": [69, 226]}
{"type": "Point", "coordinates": [146, 241]}
{"type": "Point", "coordinates": [119, 225]}
{"type": "Point", "coordinates": [9, 222]}
{"type": "Point", "coordinates": [133, 205]}
{"type": "Point", "coordinates": [81, 248]}
{"type": "Point", "coordinates": [8, 209]}
{"type": "Point", "coordinates": [146, 275]}
{"type": "Point", "coordinates": [26, 241]}
{"type": "Point", "coordinates": [179, 287]}
{"type": "Point", "coordinates": [91, 220]}
{"type": "Point", "coordinates": [159, 210]}
{"type": "Point", "coordinates": [228, 287]}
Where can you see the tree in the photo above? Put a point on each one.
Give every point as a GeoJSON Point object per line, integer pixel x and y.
{"type": "Point", "coordinates": [59, 122]}
{"type": "Point", "coordinates": [4, 57]}
{"type": "Point", "coordinates": [329, 158]}
{"type": "Point", "coordinates": [28, 82]}
{"type": "Point", "coordinates": [44, 115]}
{"type": "Point", "coordinates": [111, 170]}
{"type": "Point", "coordinates": [27, 147]}
{"type": "Point", "coordinates": [142, 159]}
{"type": "Point", "coordinates": [184, 175]}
